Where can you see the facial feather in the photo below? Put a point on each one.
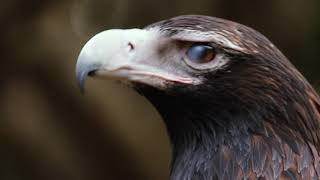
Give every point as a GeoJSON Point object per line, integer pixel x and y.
{"type": "Point", "coordinates": [246, 114]}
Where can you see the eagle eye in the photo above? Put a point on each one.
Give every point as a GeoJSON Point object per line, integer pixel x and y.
{"type": "Point", "coordinates": [201, 53]}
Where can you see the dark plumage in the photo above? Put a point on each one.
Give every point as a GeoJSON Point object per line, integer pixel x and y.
{"type": "Point", "coordinates": [251, 115]}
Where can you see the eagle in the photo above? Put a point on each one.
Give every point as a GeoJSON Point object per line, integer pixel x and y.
{"type": "Point", "coordinates": [234, 106]}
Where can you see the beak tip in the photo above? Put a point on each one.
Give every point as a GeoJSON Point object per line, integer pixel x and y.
{"type": "Point", "coordinates": [81, 87]}
{"type": "Point", "coordinates": [81, 77]}
{"type": "Point", "coordinates": [83, 70]}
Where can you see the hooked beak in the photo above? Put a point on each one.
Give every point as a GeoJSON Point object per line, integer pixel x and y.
{"type": "Point", "coordinates": [82, 71]}
{"type": "Point", "coordinates": [123, 54]}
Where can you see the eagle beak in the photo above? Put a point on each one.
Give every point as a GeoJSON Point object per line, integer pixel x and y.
{"type": "Point", "coordinates": [108, 53]}
{"type": "Point", "coordinates": [83, 70]}
{"type": "Point", "coordinates": [123, 54]}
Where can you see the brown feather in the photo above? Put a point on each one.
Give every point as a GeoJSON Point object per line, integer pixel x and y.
{"type": "Point", "coordinates": [258, 118]}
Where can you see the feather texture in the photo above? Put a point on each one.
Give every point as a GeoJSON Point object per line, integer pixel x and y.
{"type": "Point", "coordinates": [256, 118]}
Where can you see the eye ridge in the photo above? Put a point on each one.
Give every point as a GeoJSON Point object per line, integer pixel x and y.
{"type": "Point", "coordinates": [201, 53]}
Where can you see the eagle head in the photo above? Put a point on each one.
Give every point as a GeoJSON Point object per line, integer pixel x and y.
{"type": "Point", "coordinates": [233, 104]}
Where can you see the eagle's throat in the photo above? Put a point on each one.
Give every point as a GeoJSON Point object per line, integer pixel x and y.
{"type": "Point", "coordinates": [214, 137]}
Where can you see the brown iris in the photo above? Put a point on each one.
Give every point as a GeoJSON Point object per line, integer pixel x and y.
{"type": "Point", "coordinates": [201, 53]}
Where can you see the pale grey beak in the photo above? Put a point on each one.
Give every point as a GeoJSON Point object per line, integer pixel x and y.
{"type": "Point", "coordinates": [124, 54]}
{"type": "Point", "coordinates": [83, 69]}
{"type": "Point", "coordinates": [99, 54]}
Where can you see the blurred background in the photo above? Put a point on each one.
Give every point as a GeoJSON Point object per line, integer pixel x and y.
{"type": "Point", "coordinates": [48, 130]}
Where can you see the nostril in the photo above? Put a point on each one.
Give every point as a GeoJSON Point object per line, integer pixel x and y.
{"type": "Point", "coordinates": [131, 46]}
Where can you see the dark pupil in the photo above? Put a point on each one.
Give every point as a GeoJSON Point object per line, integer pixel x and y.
{"type": "Point", "coordinates": [200, 53]}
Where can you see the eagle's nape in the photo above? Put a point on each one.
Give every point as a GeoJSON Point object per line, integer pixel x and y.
{"type": "Point", "coordinates": [247, 113]}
